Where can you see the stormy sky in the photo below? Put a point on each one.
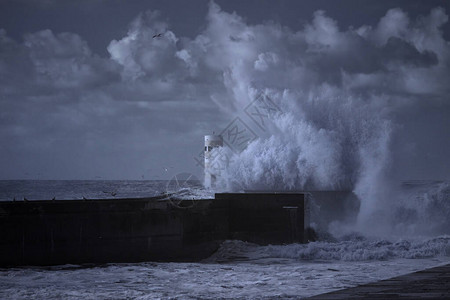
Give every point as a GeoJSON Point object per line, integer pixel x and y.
{"type": "Point", "coordinates": [88, 92]}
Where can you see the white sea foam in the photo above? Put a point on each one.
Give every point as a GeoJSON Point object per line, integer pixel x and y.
{"type": "Point", "coordinates": [349, 248]}
{"type": "Point", "coordinates": [191, 193]}
{"type": "Point", "coordinates": [246, 272]}
{"type": "Point", "coordinates": [362, 250]}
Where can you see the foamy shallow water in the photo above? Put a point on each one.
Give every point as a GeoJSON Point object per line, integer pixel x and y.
{"type": "Point", "coordinates": [237, 271]}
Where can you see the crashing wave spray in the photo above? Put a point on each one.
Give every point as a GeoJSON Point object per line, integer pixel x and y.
{"type": "Point", "coordinates": [341, 94]}
{"type": "Point", "coordinates": [343, 145]}
{"type": "Point", "coordinates": [318, 144]}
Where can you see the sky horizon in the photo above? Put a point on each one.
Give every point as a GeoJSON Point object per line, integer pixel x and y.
{"type": "Point", "coordinates": [88, 90]}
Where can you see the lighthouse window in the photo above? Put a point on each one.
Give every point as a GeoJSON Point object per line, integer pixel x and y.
{"type": "Point", "coordinates": [206, 148]}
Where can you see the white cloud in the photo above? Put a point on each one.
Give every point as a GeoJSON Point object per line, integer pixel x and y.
{"type": "Point", "coordinates": [323, 32]}
{"type": "Point", "coordinates": [394, 24]}
{"type": "Point", "coordinates": [141, 53]}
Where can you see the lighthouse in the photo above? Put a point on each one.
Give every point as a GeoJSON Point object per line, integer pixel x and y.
{"type": "Point", "coordinates": [212, 142]}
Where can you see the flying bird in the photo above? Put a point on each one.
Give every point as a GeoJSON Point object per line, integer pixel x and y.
{"type": "Point", "coordinates": [158, 35]}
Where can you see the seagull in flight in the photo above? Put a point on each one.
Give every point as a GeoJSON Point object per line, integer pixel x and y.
{"type": "Point", "coordinates": [158, 35]}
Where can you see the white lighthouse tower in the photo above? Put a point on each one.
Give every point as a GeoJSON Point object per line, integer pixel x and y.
{"type": "Point", "coordinates": [211, 159]}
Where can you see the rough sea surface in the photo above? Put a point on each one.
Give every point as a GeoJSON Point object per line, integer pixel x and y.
{"type": "Point", "coordinates": [238, 270]}
{"type": "Point", "coordinates": [77, 189]}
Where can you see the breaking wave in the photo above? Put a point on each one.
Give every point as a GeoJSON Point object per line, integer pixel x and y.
{"type": "Point", "coordinates": [424, 208]}
{"type": "Point", "coordinates": [329, 126]}
{"type": "Point", "coordinates": [350, 248]}
{"type": "Point", "coordinates": [192, 193]}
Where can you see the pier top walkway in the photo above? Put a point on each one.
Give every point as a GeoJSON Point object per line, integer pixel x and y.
{"type": "Point", "coordinates": [432, 283]}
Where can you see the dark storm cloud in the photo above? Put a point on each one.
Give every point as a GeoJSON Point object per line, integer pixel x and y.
{"type": "Point", "coordinates": [147, 101]}
{"type": "Point", "coordinates": [65, 61]}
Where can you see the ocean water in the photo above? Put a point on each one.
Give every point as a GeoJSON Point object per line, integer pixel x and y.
{"type": "Point", "coordinates": [101, 189]}
{"type": "Point", "coordinates": [238, 270]}
{"type": "Point", "coordinates": [77, 189]}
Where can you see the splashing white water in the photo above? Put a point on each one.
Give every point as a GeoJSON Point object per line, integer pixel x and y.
{"type": "Point", "coordinates": [349, 248]}
{"type": "Point", "coordinates": [344, 97]}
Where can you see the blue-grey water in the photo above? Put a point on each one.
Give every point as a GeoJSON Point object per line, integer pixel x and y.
{"type": "Point", "coordinates": [77, 189]}
{"type": "Point", "coordinates": [238, 270]}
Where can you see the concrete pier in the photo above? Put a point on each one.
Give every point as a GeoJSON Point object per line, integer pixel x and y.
{"type": "Point", "coordinates": [266, 218]}
{"type": "Point", "coordinates": [101, 231]}
{"type": "Point", "coordinates": [432, 283]}
{"type": "Point", "coordinates": [144, 229]}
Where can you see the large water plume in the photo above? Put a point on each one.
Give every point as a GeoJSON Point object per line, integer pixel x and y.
{"type": "Point", "coordinates": [342, 97]}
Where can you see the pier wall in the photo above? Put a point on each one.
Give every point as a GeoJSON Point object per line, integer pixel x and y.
{"type": "Point", "coordinates": [266, 218]}
{"type": "Point", "coordinates": [145, 229]}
